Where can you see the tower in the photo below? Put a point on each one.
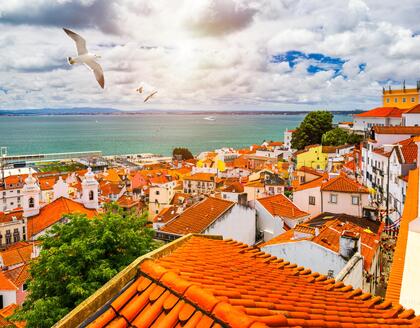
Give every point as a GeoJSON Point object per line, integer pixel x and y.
{"type": "Point", "coordinates": [90, 190]}
{"type": "Point", "coordinates": [31, 192]}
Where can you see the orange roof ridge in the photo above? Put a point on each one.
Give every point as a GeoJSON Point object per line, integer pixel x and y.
{"type": "Point", "coordinates": [410, 213]}
{"type": "Point", "coordinates": [183, 288]}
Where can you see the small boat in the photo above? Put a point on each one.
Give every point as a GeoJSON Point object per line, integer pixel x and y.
{"type": "Point", "coordinates": [209, 118]}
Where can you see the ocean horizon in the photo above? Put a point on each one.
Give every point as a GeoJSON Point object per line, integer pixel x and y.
{"type": "Point", "coordinates": [145, 133]}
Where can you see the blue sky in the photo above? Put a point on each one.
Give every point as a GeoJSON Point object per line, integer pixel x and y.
{"type": "Point", "coordinates": [209, 54]}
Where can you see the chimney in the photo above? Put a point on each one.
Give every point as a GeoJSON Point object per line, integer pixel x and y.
{"type": "Point", "coordinates": [349, 243]}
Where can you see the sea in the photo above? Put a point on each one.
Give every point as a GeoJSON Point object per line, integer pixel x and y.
{"type": "Point", "coordinates": [144, 133]}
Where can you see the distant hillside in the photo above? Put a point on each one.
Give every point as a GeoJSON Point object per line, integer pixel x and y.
{"type": "Point", "coordinates": [59, 111]}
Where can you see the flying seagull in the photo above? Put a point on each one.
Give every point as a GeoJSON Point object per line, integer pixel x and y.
{"type": "Point", "coordinates": [84, 57]}
{"type": "Point", "coordinates": [139, 90]}
{"type": "Point", "coordinates": [150, 96]}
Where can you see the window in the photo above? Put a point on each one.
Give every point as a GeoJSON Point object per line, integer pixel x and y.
{"type": "Point", "coordinates": [311, 200]}
{"type": "Point", "coordinates": [355, 200]}
{"type": "Point", "coordinates": [91, 195]}
{"type": "Point", "coordinates": [157, 192]}
{"type": "Point", "coordinates": [387, 100]}
{"type": "Point", "coordinates": [18, 191]}
{"type": "Point", "coordinates": [31, 202]}
{"type": "Point", "coordinates": [396, 100]}
{"type": "Point", "coordinates": [333, 198]}
{"type": "Point", "coordinates": [8, 237]}
{"type": "Point", "coordinates": [413, 99]}
{"type": "Point", "coordinates": [16, 235]}
{"type": "Point", "coordinates": [403, 100]}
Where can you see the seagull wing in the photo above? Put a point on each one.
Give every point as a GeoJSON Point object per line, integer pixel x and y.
{"type": "Point", "coordinates": [97, 70]}
{"type": "Point", "coordinates": [150, 96]}
{"type": "Point", "coordinates": [80, 42]}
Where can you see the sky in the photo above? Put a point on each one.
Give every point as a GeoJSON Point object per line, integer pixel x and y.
{"type": "Point", "coordinates": [209, 54]}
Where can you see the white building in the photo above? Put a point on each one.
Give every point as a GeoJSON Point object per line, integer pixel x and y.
{"type": "Point", "coordinates": [381, 116]}
{"type": "Point", "coordinates": [276, 214]}
{"type": "Point", "coordinates": [212, 216]}
{"type": "Point", "coordinates": [337, 195]}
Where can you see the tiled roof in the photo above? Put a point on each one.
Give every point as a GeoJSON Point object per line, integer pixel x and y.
{"type": "Point", "coordinates": [198, 217]}
{"type": "Point", "coordinates": [414, 110]}
{"type": "Point", "coordinates": [53, 213]}
{"type": "Point", "coordinates": [329, 237]}
{"type": "Point", "coordinates": [280, 205]}
{"type": "Point", "coordinates": [311, 184]}
{"type": "Point", "coordinates": [201, 177]}
{"type": "Point", "coordinates": [7, 312]}
{"type": "Point", "coordinates": [166, 214]}
{"type": "Point", "coordinates": [344, 184]}
{"type": "Point", "coordinates": [214, 283]}
{"type": "Point", "coordinates": [410, 153]}
{"type": "Point", "coordinates": [18, 276]}
{"type": "Point", "coordinates": [410, 213]}
{"type": "Point", "coordinates": [412, 130]}
{"type": "Point", "coordinates": [10, 216]}
{"type": "Point", "coordinates": [382, 112]}
{"type": "Point", "coordinates": [6, 283]}
{"type": "Point", "coordinates": [255, 184]}
{"type": "Point", "coordinates": [307, 169]}
{"type": "Point", "coordinates": [16, 255]}
{"type": "Point", "coordinates": [234, 187]}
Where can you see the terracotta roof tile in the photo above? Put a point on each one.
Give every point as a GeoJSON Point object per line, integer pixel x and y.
{"type": "Point", "coordinates": [311, 184]}
{"type": "Point", "coordinates": [21, 253]}
{"type": "Point", "coordinates": [201, 177]}
{"type": "Point", "coordinates": [343, 183]}
{"type": "Point", "coordinates": [198, 217]}
{"type": "Point", "coordinates": [7, 312]}
{"type": "Point", "coordinates": [18, 276]}
{"type": "Point", "coordinates": [214, 283]}
{"type": "Point", "coordinates": [382, 112]}
{"type": "Point", "coordinates": [411, 130]}
{"type": "Point", "coordinates": [53, 213]}
{"type": "Point", "coordinates": [280, 205]}
{"type": "Point", "coordinates": [409, 214]}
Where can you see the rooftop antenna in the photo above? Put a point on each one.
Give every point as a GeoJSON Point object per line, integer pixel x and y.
{"type": "Point", "coordinates": [389, 88]}
{"type": "Point", "coordinates": [404, 85]}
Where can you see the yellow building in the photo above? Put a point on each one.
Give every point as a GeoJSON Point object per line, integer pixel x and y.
{"type": "Point", "coordinates": [401, 98]}
{"type": "Point", "coordinates": [312, 156]}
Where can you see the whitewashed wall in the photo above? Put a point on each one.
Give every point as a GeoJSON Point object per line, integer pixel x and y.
{"type": "Point", "coordinates": [271, 226]}
{"type": "Point", "coordinates": [301, 200]}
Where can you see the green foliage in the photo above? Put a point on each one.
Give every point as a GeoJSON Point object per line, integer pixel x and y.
{"type": "Point", "coordinates": [184, 153]}
{"type": "Point", "coordinates": [60, 167]}
{"type": "Point", "coordinates": [77, 258]}
{"type": "Point", "coordinates": [310, 131]}
{"type": "Point", "coordinates": [338, 137]}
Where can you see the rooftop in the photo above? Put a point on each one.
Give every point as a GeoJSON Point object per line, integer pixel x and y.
{"type": "Point", "coordinates": [208, 282]}
{"type": "Point", "coordinates": [280, 205]}
{"type": "Point", "coordinates": [53, 213]}
{"type": "Point", "coordinates": [198, 217]}
{"type": "Point", "coordinates": [411, 130]}
{"type": "Point", "coordinates": [201, 177]}
{"type": "Point", "coordinates": [342, 183]}
{"type": "Point", "coordinates": [382, 112]}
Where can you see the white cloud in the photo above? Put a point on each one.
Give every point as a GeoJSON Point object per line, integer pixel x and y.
{"type": "Point", "coordinates": [207, 54]}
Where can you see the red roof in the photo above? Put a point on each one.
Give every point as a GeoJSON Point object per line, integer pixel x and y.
{"type": "Point", "coordinates": [410, 153]}
{"type": "Point", "coordinates": [20, 253]}
{"type": "Point", "coordinates": [412, 130]}
{"type": "Point", "coordinates": [414, 110]}
{"type": "Point", "coordinates": [54, 212]}
{"type": "Point", "coordinates": [343, 183]}
{"type": "Point", "coordinates": [198, 217]}
{"type": "Point", "coordinates": [280, 205]}
{"type": "Point", "coordinates": [382, 112]}
{"type": "Point", "coordinates": [203, 282]}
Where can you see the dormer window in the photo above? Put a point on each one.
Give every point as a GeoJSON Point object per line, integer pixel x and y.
{"type": "Point", "coordinates": [31, 202]}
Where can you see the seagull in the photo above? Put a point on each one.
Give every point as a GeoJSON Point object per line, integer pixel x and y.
{"type": "Point", "coordinates": [84, 57]}
{"type": "Point", "coordinates": [139, 90]}
{"type": "Point", "coordinates": [150, 96]}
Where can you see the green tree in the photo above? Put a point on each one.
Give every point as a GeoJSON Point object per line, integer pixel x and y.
{"type": "Point", "coordinates": [184, 153]}
{"type": "Point", "coordinates": [335, 137]}
{"type": "Point", "coordinates": [312, 128]}
{"type": "Point", "coordinates": [77, 258]}
{"type": "Point", "coordinates": [338, 137]}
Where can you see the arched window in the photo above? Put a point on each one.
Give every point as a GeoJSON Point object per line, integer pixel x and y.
{"type": "Point", "coordinates": [91, 195]}
{"type": "Point", "coordinates": [31, 202]}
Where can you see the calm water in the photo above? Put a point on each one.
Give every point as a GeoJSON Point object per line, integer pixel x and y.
{"type": "Point", "coordinates": [156, 133]}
